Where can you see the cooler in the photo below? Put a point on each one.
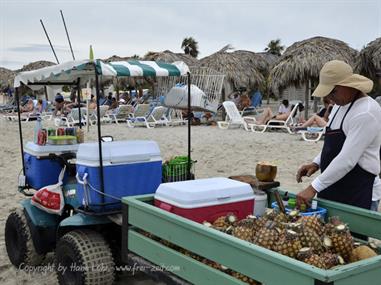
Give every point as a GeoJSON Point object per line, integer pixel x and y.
{"type": "Point", "coordinates": [129, 168]}
{"type": "Point", "coordinates": [41, 171]}
{"type": "Point", "coordinates": [206, 199]}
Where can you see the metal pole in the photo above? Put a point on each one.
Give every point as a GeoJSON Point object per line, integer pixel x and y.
{"type": "Point", "coordinates": [20, 129]}
{"type": "Point", "coordinates": [79, 101]}
{"type": "Point", "coordinates": [99, 133]}
{"type": "Point", "coordinates": [189, 127]}
{"type": "Point", "coordinates": [49, 42]}
{"type": "Point", "coordinates": [67, 34]}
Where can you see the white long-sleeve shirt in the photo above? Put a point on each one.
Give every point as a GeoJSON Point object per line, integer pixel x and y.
{"type": "Point", "coordinates": [362, 127]}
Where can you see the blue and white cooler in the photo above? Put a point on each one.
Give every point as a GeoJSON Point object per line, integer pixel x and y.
{"type": "Point", "coordinates": [129, 168]}
{"type": "Point", "coordinates": [41, 171]}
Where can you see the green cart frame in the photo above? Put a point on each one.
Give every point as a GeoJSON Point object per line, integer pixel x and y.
{"type": "Point", "coordinates": [256, 262]}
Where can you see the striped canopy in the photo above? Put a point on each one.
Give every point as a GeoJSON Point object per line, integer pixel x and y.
{"type": "Point", "coordinates": [84, 69]}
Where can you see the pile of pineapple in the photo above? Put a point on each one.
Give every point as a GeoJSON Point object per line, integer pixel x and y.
{"type": "Point", "coordinates": [306, 238]}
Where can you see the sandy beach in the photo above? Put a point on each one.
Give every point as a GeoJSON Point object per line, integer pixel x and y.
{"type": "Point", "coordinates": [218, 153]}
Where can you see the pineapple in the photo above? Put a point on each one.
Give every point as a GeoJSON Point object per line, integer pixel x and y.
{"type": "Point", "coordinates": [329, 227]}
{"type": "Point", "coordinates": [280, 219]}
{"type": "Point", "coordinates": [342, 241]}
{"type": "Point", "coordinates": [243, 232]}
{"type": "Point", "coordinates": [306, 255]}
{"type": "Point", "coordinates": [213, 264]}
{"type": "Point", "coordinates": [331, 260]}
{"type": "Point", "coordinates": [270, 214]}
{"type": "Point", "coordinates": [312, 222]}
{"type": "Point", "coordinates": [293, 216]}
{"type": "Point", "coordinates": [309, 238]}
{"type": "Point", "coordinates": [244, 278]}
{"type": "Point", "coordinates": [267, 236]}
{"type": "Point", "coordinates": [221, 223]}
{"type": "Point", "coordinates": [190, 254]}
{"type": "Point", "coordinates": [261, 222]}
{"type": "Point", "coordinates": [288, 244]}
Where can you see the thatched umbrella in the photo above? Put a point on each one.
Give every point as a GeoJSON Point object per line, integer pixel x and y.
{"type": "Point", "coordinates": [369, 60]}
{"type": "Point", "coordinates": [303, 60]}
{"type": "Point", "coordinates": [271, 59]}
{"type": "Point", "coordinates": [169, 56]}
{"type": "Point", "coordinates": [301, 63]}
{"type": "Point", "coordinates": [241, 69]}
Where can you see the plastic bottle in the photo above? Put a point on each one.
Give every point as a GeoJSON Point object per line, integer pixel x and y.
{"type": "Point", "coordinates": [285, 199]}
{"type": "Point", "coordinates": [37, 128]}
{"type": "Point", "coordinates": [314, 205]}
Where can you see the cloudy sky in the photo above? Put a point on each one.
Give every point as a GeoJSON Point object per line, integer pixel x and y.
{"type": "Point", "coordinates": [127, 27]}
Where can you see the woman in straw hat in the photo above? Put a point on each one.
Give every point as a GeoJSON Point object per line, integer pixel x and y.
{"type": "Point", "coordinates": [350, 158]}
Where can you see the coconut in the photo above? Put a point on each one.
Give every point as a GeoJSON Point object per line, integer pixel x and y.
{"type": "Point", "coordinates": [362, 252]}
{"type": "Point", "coordinates": [265, 171]}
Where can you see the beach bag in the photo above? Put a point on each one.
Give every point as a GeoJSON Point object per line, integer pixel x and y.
{"type": "Point", "coordinates": [50, 198]}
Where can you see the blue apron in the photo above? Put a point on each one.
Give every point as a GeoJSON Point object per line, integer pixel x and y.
{"type": "Point", "coordinates": [356, 187]}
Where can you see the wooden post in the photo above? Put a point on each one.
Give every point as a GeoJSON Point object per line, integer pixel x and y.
{"type": "Point", "coordinates": [307, 99]}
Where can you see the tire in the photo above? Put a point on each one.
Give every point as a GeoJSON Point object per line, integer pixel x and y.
{"type": "Point", "coordinates": [84, 257]}
{"type": "Point", "coordinates": [18, 241]}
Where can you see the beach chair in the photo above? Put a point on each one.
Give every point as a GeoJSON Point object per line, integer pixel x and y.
{"type": "Point", "coordinates": [71, 119]}
{"type": "Point", "coordinates": [175, 117]}
{"type": "Point", "coordinates": [312, 134]}
{"type": "Point", "coordinates": [24, 117]}
{"type": "Point", "coordinates": [276, 124]}
{"type": "Point", "coordinates": [122, 114]}
{"type": "Point", "coordinates": [104, 117]}
{"type": "Point", "coordinates": [157, 117]}
{"type": "Point", "coordinates": [139, 117]}
{"type": "Point", "coordinates": [256, 102]}
{"type": "Point", "coordinates": [234, 117]}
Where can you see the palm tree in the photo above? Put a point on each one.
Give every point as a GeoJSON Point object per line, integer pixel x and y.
{"type": "Point", "coordinates": [190, 46]}
{"type": "Point", "coordinates": [274, 47]}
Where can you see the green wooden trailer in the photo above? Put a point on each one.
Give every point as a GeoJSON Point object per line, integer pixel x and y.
{"type": "Point", "coordinates": [258, 263]}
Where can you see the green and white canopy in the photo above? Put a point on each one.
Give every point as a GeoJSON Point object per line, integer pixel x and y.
{"type": "Point", "coordinates": [84, 69]}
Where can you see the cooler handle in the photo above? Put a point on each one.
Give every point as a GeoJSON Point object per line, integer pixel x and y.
{"type": "Point", "coordinates": [224, 197]}
{"type": "Point", "coordinates": [166, 207]}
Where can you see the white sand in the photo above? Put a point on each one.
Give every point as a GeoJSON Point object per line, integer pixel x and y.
{"type": "Point", "coordinates": [218, 152]}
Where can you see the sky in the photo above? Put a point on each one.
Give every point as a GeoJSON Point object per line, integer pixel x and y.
{"type": "Point", "coordinates": [126, 28]}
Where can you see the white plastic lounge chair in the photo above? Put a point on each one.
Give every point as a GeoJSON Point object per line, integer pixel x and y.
{"type": "Point", "coordinates": [71, 119]}
{"type": "Point", "coordinates": [276, 124]}
{"type": "Point", "coordinates": [139, 117]}
{"type": "Point", "coordinates": [122, 114]}
{"type": "Point", "coordinates": [175, 117]}
{"type": "Point", "coordinates": [234, 117]}
{"type": "Point", "coordinates": [104, 117]}
{"type": "Point", "coordinates": [24, 117]}
{"type": "Point", "coordinates": [312, 134]}
{"type": "Point", "coordinates": [157, 117]}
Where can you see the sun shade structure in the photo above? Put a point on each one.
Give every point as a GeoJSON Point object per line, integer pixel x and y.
{"type": "Point", "coordinates": [369, 60]}
{"type": "Point", "coordinates": [72, 70]}
{"type": "Point", "coordinates": [303, 60]}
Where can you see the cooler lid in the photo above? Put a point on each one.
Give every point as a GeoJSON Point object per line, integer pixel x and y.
{"type": "Point", "coordinates": [118, 152]}
{"type": "Point", "coordinates": [204, 192]}
{"type": "Point", "coordinates": [40, 150]}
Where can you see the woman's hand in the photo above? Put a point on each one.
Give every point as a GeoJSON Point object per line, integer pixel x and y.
{"type": "Point", "coordinates": [306, 170]}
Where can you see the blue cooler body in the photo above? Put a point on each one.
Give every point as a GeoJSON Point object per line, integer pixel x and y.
{"type": "Point", "coordinates": [129, 168]}
{"type": "Point", "coordinates": [40, 171]}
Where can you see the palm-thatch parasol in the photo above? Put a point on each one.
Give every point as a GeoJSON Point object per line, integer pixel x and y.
{"type": "Point", "coordinates": [271, 59]}
{"type": "Point", "coordinates": [369, 60]}
{"type": "Point", "coordinates": [169, 56]}
{"type": "Point", "coordinates": [241, 68]}
{"type": "Point", "coordinates": [302, 61]}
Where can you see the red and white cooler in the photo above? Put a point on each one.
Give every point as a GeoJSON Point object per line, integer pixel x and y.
{"type": "Point", "coordinates": [206, 199]}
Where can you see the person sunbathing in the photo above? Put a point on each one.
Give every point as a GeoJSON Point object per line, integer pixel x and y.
{"type": "Point", "coordinates": [320, 119]}
{"type": "Point", "coordinates": [28, 108]}
{"type": "Point", "coordinates": [283, 113]}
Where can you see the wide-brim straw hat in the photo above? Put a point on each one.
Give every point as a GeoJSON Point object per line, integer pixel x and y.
{"type": "Point", "coordinates": [337, 72]}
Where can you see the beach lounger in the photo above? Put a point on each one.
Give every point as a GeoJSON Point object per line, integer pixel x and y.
{"type": "Point", "coordinates": [139, 117]}
{"type": "Point", "coordinates": [122, 114]}
{"type": "Point", "coordinates": [175, 117]}
{"type": "Point", "coordinates": [157, 117]}
{"type": "Point", "coordinates": [71, 119]}
{"type": "Point", "coordinates": [25, 117]}
{"type": "Point", "coordinates": [234, 117]}
{"type": "Point", "coordinates": [276, 124]}
{"type": "Point", "coordinates": [312, 134]}
{"type": "Point", "coordinates": [104, 117]}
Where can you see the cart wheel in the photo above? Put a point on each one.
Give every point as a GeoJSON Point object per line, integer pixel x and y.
{"type": "Point", "coordinates": [84, 257]}
{"type": "Point", "coordinates": [18, 241]}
